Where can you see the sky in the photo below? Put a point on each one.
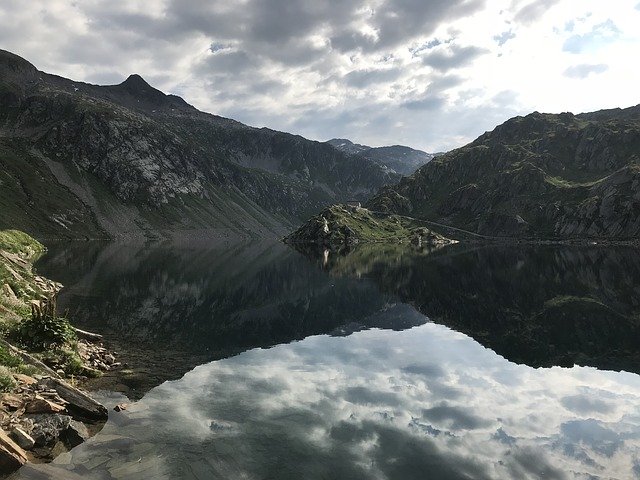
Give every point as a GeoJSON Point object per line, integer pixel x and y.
{"type": "Point", "coordinates": [431, 74]}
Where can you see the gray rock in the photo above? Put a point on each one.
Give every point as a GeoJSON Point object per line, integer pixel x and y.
{"type": "Point", "coordinates": [75, 434]}
{"type": "Point", "coordinates": [47, 428]}
{"type": "Point", "coordinates": [22, 438]}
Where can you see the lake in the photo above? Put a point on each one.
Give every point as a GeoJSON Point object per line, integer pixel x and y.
{"type": "Point", "coordinates": [255, 361]}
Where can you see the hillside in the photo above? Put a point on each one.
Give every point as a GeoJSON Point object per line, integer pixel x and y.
{"type": "Point", "coordinates": [341, 226]}
{"type": "Point", "coordinates": [540, 176]}
{"type": "Point", "coordinates": [80, 160]}
{"type": "Point", "coordinates": [397, 158]}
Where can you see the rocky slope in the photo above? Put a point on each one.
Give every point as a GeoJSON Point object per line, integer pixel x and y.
{"type": "Point", "coordinates": [80, 160]}
{"type": "Point", "coordinates": [553, 176]}
{"type": "Point", "coordinates": [396, 158]}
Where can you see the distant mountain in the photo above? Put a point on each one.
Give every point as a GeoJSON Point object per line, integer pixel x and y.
{"type": "Point", "coordinates": [80, 160]}
{"type": "Point", "coordinates": [396, 158]}
{"type": "Point", "coordinates": [542, 176]}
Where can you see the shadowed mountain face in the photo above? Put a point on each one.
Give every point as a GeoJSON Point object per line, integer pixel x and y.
{"type": "Point", "coordinates": [540, 306]}
{"type": "Point", "coordinates": [397, 158]}
{"type": "Point", "coordinates": [80, 160]}
{"type": "Point", "coordinates": [167, 308]}
{"type": "Point", "coordinates": [553, 176]}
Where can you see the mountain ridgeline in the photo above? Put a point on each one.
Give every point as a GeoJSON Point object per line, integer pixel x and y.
{"type": "Point", "coordinates": [80, 160]}
{"type": "Point", "coordinates": [546, 176]}
{"type": "Point", "coordinates": [395, 158]}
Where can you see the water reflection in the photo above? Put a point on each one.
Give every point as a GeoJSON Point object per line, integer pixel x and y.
{"type": "Point", "coordinates": [425, 402]}
{"type": "Point", "coordinates": [167, 308]}
{"type": "Point", "coordinates": [542, 306]}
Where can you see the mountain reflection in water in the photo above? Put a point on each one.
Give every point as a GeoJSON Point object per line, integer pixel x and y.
{"type": "Point", "coordinates": [543, 305]}
{"type": "Point", "coordinates": [413, 400]}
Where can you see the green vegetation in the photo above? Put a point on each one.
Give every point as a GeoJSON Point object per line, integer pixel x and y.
{"type": "Point", "coordinates": [28, 316]}
{"type": "Point", "coordinates": [19, 242]}
{"type": "Point", "coordinates": [45, 330]}
{"type": "Point", "coordinates": [347, 225]}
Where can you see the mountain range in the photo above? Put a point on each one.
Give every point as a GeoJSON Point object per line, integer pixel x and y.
{"type": "Point", "coordinates": [558, 176]}
{"type": "Point", "coordinates": [396, 158]}
{"type": "Point", "coordinates": [127, 160]}
{"type": "Point", "coordinates": [86, 161]}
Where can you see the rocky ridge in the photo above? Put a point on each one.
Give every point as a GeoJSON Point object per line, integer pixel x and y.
{"type": "Point", "coordinates": [540, 176]}
{"type": "Point", "coordinates": [80, 160]}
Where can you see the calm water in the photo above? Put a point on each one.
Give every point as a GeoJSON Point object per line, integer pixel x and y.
{"type": "Point", "coordinates": [382, 363]}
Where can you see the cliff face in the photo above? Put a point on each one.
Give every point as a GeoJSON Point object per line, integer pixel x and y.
{"type": "Point", "coordinates": [85, 160]}
{"type": "Point", "coordinates": [552, 176]}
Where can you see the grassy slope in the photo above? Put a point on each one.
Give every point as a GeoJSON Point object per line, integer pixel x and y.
{"type": "Point", "coordinates": [363, 226]}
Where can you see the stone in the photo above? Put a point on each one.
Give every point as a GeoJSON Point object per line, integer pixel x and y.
{"type": "Point", "coordinates": [12, 456]}
{"type": "Point", "coordinates": [12, 401]}
{"type": "Point", "coordinates": [24, 379]}
{"type": "Point", "coordinates": [75, 434]}
{"type": "Point", "coordinates": [120, 407]}
{"type": "Point", "coordinates": [79, 403]}
{"type": "Point", "coordinates": [8, 293]}
{"type": "Point", "coordinates": [42, 405]}
{"type": "Point", "coordinates": [47, 428]}
{"type": "Point", "coordinates": [109, 359]}
{"type": "Point", "coordinates": [22, 438]}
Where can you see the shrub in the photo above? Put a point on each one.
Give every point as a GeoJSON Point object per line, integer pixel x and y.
{"type": "Point", "coordinates": [7, 382]}
{"type": "Point", "coordinates": [44, 329]}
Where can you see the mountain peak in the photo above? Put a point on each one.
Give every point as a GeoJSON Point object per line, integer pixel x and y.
{"type": "Point", "coordinates": [135, 83]}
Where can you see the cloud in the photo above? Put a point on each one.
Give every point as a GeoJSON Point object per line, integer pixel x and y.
{"type": "Point", "coordinates": [600, 35]}
{"type": "Point", "coordinates": [586, 404]}
{"type": "Point", "coordinates": [504, 37]}
{"type": "Point", "coordinates": [533, 11]}
{"type": "Point", "coordinates": [584, 70]}
{"type": "Point", "coordinates": [369, 71]}
{"type": "Point", "coordinates": [335, 407]}
{"type": "Point", "coordinates": [452, 57]}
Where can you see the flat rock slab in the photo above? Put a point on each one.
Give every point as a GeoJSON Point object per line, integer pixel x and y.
{"type": "Point", "coordinates": [12, 456]}
{"type": "Point", "coordinates": [80, 404]}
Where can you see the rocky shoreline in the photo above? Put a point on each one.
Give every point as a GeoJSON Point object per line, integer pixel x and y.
{"type": "Point", "coordinates": [44, 363]}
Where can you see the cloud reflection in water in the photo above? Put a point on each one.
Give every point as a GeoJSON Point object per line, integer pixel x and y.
{"type": "Point", "coordinates": [422, 403]}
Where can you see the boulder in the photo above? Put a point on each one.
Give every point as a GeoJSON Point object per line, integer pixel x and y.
{"type": "Point", "coordinates": [12, 401]}
{"type": "Point", "coordinates": [79, 403]}
{"type": "Point", "coordinates": [22, 438]}
{"type": "Point", "coordinates": [12, 456]}
{"type": "Point", "coordinates": [75, 434]}
{"type": "Point", "coordinates": [42, 405]}
{"type": "Point", "coordinates": [47, 428]}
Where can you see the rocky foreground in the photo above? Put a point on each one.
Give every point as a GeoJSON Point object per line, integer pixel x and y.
{"type": "Point", "coordinates": [42, 359]}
